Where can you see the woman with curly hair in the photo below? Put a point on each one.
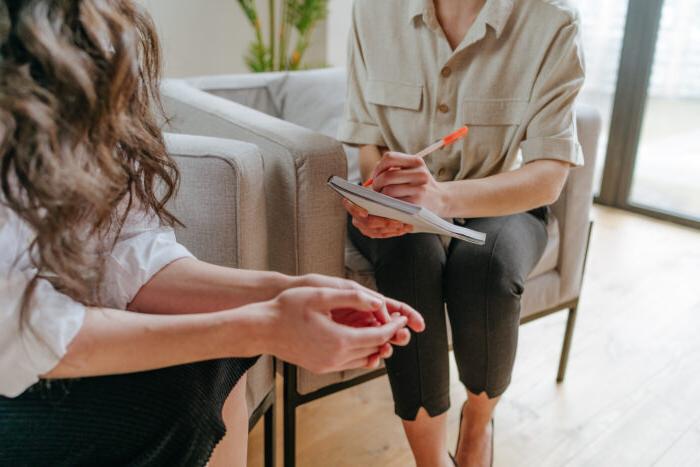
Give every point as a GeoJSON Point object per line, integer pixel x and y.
{"type": "Point", "coordinates": [117, 347]}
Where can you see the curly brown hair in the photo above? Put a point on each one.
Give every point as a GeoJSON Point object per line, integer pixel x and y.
{"type": "Point", "coordinates": [80, 143]}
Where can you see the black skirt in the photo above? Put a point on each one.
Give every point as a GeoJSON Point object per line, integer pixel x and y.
{"type": "Point", "coordinates": [168, 417]}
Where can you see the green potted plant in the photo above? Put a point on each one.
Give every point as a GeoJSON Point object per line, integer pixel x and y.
{"type": "Point", "coordinates": [287, 40]}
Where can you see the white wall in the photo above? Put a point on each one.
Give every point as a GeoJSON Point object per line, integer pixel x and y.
{"type": "Point", "coordinates": [337, 29]}
{"type": "Point", "coordinates": [211, 36]}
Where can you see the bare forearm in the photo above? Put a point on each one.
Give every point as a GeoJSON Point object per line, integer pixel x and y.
{"type": "Point", "coordinates": [118, 342]}
{"type": "Point", "coordinates": [192, 286]}
{"type": "Point", "coordinates": [535, 185]}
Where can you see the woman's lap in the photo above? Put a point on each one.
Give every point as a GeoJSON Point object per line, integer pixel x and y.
{"type": "Point", "coordinates": [165, 417]}
{"type": "Point", "coordinates": [417, 269]}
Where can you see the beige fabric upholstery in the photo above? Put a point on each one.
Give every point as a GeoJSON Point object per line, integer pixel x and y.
{"type": "Point", "coordinates": [301, 212]}
{"type": "Point", "coordinates": [222, 206]}
{"type": "Point", "coordinates": [306, 224]}
{"type": "Point", "coordinates": [574, 207]}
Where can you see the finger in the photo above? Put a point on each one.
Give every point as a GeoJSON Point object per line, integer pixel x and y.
{"type": "Point", "coordinates": [381, 222]}
{"type": "Point", "coordinates": [401, 338]}
{"type": "Point", "coordinates": [374, 222]}
{"type": "Point", "coordinates": [349, 284]}
{"type": "Point", "coordinates": [354, 209]}
{"type": "Point", "coordinates": [402, 191]}
{"type": "Point", "coordinates": [367, 352]}
{"type": "Point", "coordinates": [396, 160]}
{"type": "Point", "coordinates": [370, 362]}
{"type": "Point", "coordinates": [383, 234]}
{"type": "Point", "coordinates": [415, 319]}
{"type": "Point", "coordinates": [356, 319]}
{"type": "Point", "coordinates": [417, 176]}
{"type": "Point", "coordinates": [373, 362]}
{"type": "Point", "coordinates": [386, 351]}
{"type": "Point", "coordinates": [382, 316]}
{"type": "Point", "coordinates": [358, 300]}
{"type": "Point", "coordinates": [376, 336]}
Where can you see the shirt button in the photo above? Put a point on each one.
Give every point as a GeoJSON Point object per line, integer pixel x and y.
{"type": "Point", "coordinates": [444, 108]}
{"type": "Point", "coordinates": [446, 72]}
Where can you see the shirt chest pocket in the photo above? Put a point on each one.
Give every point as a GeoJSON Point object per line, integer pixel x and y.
{"type": "Point", "coordinates": [492, 124]}
{"type": "Point", "coordinates": [394, 94]}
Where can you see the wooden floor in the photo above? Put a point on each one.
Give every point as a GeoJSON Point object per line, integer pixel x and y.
{"type": "Point", "coordinates": [632, 393]}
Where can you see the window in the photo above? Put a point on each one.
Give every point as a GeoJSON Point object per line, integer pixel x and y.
{"type": "Point", "coordinates": [602, 27]}
{"type": "Point", "coordinates": [667, 168]}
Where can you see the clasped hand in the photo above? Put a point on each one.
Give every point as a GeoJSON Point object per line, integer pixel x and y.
{"type": "Point", "coordinates": [404, 177]}
{"type": "Point", "coordinates": [329, 324]}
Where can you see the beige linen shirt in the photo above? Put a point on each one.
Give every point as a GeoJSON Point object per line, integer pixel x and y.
{"type": "Point", "coordinates": [513, 80]}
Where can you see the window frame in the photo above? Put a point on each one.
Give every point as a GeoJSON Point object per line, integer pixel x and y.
{"type": "Point", "coordinates": [634, 75]}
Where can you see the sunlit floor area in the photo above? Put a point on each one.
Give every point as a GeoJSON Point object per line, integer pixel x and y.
{"type": "Point", "coordinates": [631, 395]}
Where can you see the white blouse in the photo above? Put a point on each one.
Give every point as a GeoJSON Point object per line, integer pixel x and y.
{"type": "Point", "coordinates": [53, 319]}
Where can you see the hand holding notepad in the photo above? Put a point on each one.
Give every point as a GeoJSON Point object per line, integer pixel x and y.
{"type": "Point", "coordinates": [422, 219]}
{"type": "Point", "coordinates": [418, 218]}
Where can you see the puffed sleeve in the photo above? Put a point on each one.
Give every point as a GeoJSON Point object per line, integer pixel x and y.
{"type": "Point", "coordinates": [31, 344]}
{"type": "Point", "coordinates": [143, 248]}
{"type": "Point", "coordinates": [358, 126]}
{"type": "Point", "coordinates": [550, 119]}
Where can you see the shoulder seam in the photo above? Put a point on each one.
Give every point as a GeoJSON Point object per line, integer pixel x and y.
{"type": "Point", "coordinates": [569, 12]}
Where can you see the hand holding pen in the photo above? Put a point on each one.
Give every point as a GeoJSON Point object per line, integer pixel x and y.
{"type": "Point", "coordinates": [439, 144]}
{"type": "Point", "coordinates": [407, 177]}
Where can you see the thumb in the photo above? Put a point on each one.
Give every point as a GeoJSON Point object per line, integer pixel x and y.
{"type": "Point", "coordinates": [376, 336]}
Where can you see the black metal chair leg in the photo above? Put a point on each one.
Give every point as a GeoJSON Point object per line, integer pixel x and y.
{"type": "Point", "coordinates": [270, 437]}
{"type": "Point", "coordinates": [289, 409]}
{"type": "Point", "coordinates": [564, 360]}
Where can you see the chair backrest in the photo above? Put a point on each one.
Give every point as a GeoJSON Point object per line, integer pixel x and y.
{"type": "Point", "coordinates": [251, 90]}
{"type": "Point", "coordinates": [572, 210]}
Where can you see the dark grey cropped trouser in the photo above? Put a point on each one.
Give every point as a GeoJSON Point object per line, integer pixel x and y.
{"type": "Point", "coordinates": [481, 286]}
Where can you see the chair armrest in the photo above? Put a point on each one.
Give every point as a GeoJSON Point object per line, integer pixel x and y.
{"type": "Point", "coordinates": [572, 210]}
{"type": "Point", "coordinates": [306, 221]}
{"type": "Point", "coordinates": [221, 201]}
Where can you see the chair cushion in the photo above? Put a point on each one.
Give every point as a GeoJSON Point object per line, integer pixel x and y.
{"type": "Point", "coordinates": [550, 257]}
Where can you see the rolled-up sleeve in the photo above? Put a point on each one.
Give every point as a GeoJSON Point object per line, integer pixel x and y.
{"type": "Point", "coordinates": [34, 341]}
{"type": "Point", "coordinates": [143, 248]}
{"type": "Point", "coordinates": [358, 126]}
{"type": "Point", "coordinates": [550, 119]}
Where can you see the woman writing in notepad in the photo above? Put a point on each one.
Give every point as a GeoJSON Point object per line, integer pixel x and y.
{"type": "Point", "coordinates": [117, 346]}
{"type": "Point", "coordinates": [419, 69]}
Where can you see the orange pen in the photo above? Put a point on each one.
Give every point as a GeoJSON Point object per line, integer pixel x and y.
{"type": "Point", "coordinates": [439, 144]}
